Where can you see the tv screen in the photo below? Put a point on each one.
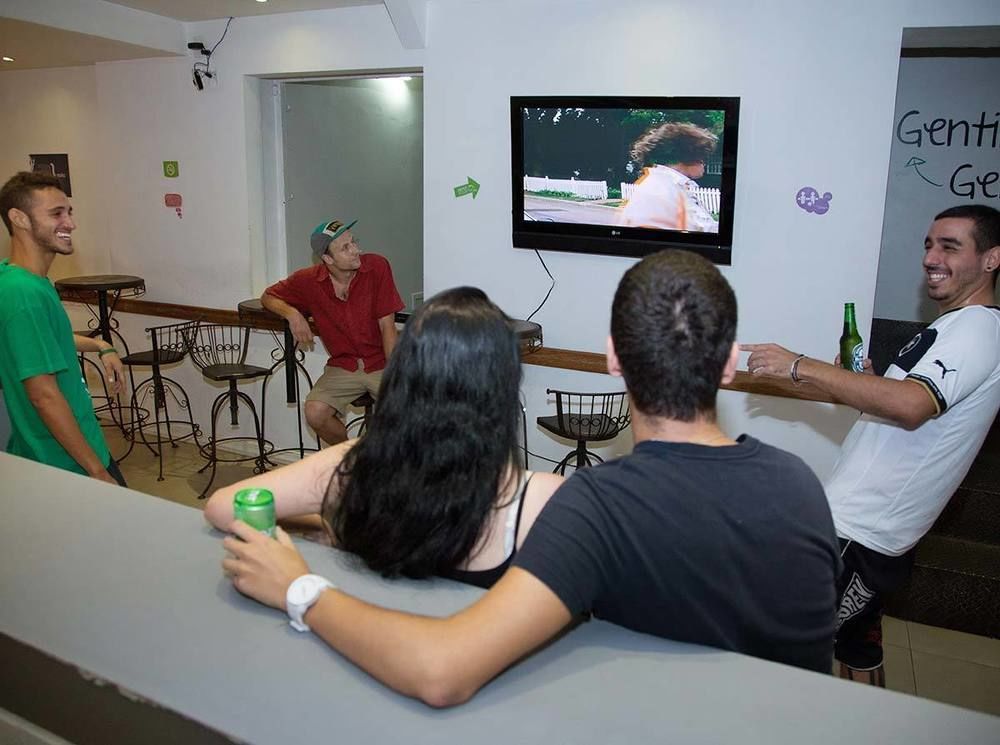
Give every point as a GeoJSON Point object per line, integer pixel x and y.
{"type": "Point", "coordinates": [625, 176]}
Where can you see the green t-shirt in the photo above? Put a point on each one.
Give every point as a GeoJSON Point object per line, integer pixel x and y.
{"type": "Point", "coordinates": [36, 339]}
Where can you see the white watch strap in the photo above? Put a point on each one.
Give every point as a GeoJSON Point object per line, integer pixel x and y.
{"type": "Point", "coordinates": [313, 585]}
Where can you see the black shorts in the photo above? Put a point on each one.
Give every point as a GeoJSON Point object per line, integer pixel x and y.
{"type": "Point", "coordinates": [867, 577]}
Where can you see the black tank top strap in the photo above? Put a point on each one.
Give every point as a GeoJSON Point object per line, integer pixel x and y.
{"type": "Point", "coordinates": [520, 509]}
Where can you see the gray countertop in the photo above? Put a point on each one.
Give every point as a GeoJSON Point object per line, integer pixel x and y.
{"type": "Point", "coordinates": [128, 588]}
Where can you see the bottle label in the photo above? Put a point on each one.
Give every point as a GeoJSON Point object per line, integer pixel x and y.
{"type": "Point", "coordinates": [858, 358]}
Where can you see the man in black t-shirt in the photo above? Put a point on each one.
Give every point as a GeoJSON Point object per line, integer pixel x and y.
{"type": "Point", "coordinates": [695, 536]}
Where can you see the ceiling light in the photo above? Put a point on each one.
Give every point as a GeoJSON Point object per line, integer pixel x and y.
{"type": "Point", "coordinates": [261, 1]}
{"type": "Point", "coordinates": [5, 58]}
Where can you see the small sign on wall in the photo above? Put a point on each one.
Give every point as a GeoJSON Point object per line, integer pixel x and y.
{"type": "Point", "coordinates": [176, 201]}
{"type": "Point", "coordinates": [54, 164]}
{"type": "Point", "coordinates": [171, 169]}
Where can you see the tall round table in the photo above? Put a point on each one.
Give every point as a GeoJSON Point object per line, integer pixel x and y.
{"type": "Point", "coordinates": [108, 289]}
{"type": "Point", "coordinates": [103, 286]}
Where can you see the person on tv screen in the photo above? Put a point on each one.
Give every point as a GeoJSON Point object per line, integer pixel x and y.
{"type": "Point", "coordinates": [673, 157]}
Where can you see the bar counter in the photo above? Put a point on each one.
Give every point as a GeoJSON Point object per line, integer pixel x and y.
{"type": "Point", "coordinates": [122, 594]}
{"type": "Point", "coordinates": [565, 359]}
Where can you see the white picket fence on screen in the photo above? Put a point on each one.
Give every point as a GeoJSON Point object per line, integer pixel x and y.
{"type": "Point", "coordinates": [585, 189]}
{"type": "Point", "coordinates": [710, 199]}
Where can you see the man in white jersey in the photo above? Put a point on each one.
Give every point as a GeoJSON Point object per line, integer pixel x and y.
{"type": "Point", "coordinates": [921, 427]}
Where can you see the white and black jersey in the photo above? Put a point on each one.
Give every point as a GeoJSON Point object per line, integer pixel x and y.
{"type": "Point", "coordinates": [890, 484]}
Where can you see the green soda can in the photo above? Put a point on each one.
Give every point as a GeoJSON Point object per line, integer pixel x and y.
{"type": "Point", "coordinates": [255, 507]}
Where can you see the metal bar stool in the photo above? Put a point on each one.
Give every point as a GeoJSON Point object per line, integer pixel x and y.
{"type": "Point", "coordinates": [220, 352]}
{"type": "Point", "coordinates": [285, 354]}
{"type": "Point", "coordinates": [168, 348]}
{"type": "Point", "coordinates": [112, 405]}
{"type": "Point", "coordinates": [586, 417]}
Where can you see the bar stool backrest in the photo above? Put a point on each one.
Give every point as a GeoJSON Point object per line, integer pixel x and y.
{"type": "Point", "coordinates": [217, 344]}
{"type": "Point", "coordinates": [169, 343]}
{"type": "Point", "coordinates": [591, 416]}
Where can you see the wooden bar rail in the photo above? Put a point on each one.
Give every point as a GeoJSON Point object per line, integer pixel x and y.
{"type": "Point", "coordinates": [564, 359]}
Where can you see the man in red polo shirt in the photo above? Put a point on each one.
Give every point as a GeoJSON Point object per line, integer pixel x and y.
{"type": "Point", "coordinates": [353, 300]}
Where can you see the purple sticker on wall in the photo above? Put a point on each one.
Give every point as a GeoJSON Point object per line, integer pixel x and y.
{"type": "Point", "coordinates": [810, 200]}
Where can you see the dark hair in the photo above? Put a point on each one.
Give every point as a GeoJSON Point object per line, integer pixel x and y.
{"type": "Point", "coordinates": [673, 323]}
{"type": "Point", "coordinates": [19, 193]}
{"type": "Point", "coordinates": [985, 226]}
{"type": "Point", "coordinates": [674, 142]}
{"type": "Point", "coordinates": [418, 488]}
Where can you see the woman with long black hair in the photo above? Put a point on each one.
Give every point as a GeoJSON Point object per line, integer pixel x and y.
{"type": "Point", "coordinates": [435, 486]}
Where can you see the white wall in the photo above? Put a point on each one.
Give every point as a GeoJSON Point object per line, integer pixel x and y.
{"type": "Point", "coordinates": [152, 113]}
{"type": "Point", "coordinates": [56, 111]}
{"type": "Point", "coordinates": [817, 84]}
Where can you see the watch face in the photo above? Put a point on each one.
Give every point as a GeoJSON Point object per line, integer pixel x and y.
{"type": "Point", "coordinates": [304, 589]}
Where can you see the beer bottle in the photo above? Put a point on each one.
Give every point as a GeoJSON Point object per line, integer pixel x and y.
{"type": "Point", "coordinates": [852, 351]}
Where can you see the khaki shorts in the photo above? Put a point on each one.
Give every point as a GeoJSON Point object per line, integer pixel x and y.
{"type": "Point", "coordinates": [337, 387]}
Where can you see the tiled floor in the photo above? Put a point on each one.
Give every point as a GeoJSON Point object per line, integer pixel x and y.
{"type": "Point", "coordinates": [938, 664]}
{"type": "Point", "coordinates": [944, 665]}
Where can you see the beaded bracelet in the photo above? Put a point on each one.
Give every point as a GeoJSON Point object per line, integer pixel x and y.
{"type": "Point", "coordinates": [109, 350]}
{"type": "Point", "coordinates": [794, 371]}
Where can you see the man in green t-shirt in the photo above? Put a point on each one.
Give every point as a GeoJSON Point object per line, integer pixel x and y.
{"type": "Point", "coordinates": [51, 415]}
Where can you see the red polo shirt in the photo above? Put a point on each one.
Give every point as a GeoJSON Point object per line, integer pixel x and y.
{"type": "Point", "coordinates": [348, 328]}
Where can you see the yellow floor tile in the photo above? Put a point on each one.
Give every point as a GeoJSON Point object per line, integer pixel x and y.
{"type": "Point", "coordinates": [898, 669]}
{"type": "Point", "coordinates": [895, 632]}
{"type": "Point", "coordinates": [957, 682]}
{"type": "Point", "coordinates": [947, 643]}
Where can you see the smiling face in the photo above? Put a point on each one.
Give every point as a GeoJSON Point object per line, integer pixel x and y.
{"type": "Point", "coordinates": [50, 221]}
{"type": "Point", "coordinates": [956, 274]}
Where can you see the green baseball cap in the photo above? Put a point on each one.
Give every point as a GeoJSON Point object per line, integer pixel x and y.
{"type": "Point", "coordinates": [326, 232]}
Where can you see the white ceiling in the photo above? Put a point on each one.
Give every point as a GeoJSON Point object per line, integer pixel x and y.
{"type": "Point", "coordinates": [34, 46]}
{"type": "Point", "coordinates": [206, 10]}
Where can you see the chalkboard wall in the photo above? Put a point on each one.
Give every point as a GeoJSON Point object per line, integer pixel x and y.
{"type": "Point", "coordinates": [945, 152]}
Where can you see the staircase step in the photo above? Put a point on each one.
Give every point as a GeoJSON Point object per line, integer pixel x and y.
{"type": "Point", "coordinates": [972, 514]}
{"type": "Point", "coordinates": [955, 585]}
{"type": "Point", "coordinates": [984, 473]}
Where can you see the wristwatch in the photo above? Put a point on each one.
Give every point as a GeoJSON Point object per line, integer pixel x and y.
{"type": "Point", "coordinates": [301, 595]}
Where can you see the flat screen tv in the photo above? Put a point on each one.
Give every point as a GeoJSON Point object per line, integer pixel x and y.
{"type": "Point", "coordinates": [624, 175]}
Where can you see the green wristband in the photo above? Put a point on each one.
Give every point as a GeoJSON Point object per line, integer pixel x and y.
{"type": "Point", "coordinates": [109, 350]}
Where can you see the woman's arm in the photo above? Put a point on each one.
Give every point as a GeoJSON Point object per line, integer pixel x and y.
{"type": "Point", "coordinates": [541, 487]}
{"type": "Point", "coordinates": [298, 488]}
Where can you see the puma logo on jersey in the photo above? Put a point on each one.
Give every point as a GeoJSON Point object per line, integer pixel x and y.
{"type": "Point", "coordinates": [944, 370]}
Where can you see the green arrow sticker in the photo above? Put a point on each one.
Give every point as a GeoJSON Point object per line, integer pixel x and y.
{"type": "Point", "coordinates": [471, 187]}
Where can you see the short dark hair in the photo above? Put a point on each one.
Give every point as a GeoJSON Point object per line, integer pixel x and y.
{"type": "Point", "coordinates": [674, 142]}
{"type": "Point", "coordinates": [985, 226]}
{"type": "Point", "coordinates": [19, 193]}
{"type": "Point", "coordinates": [418, 489]}
{"type": "Point", "coordinates": [673, 323]}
